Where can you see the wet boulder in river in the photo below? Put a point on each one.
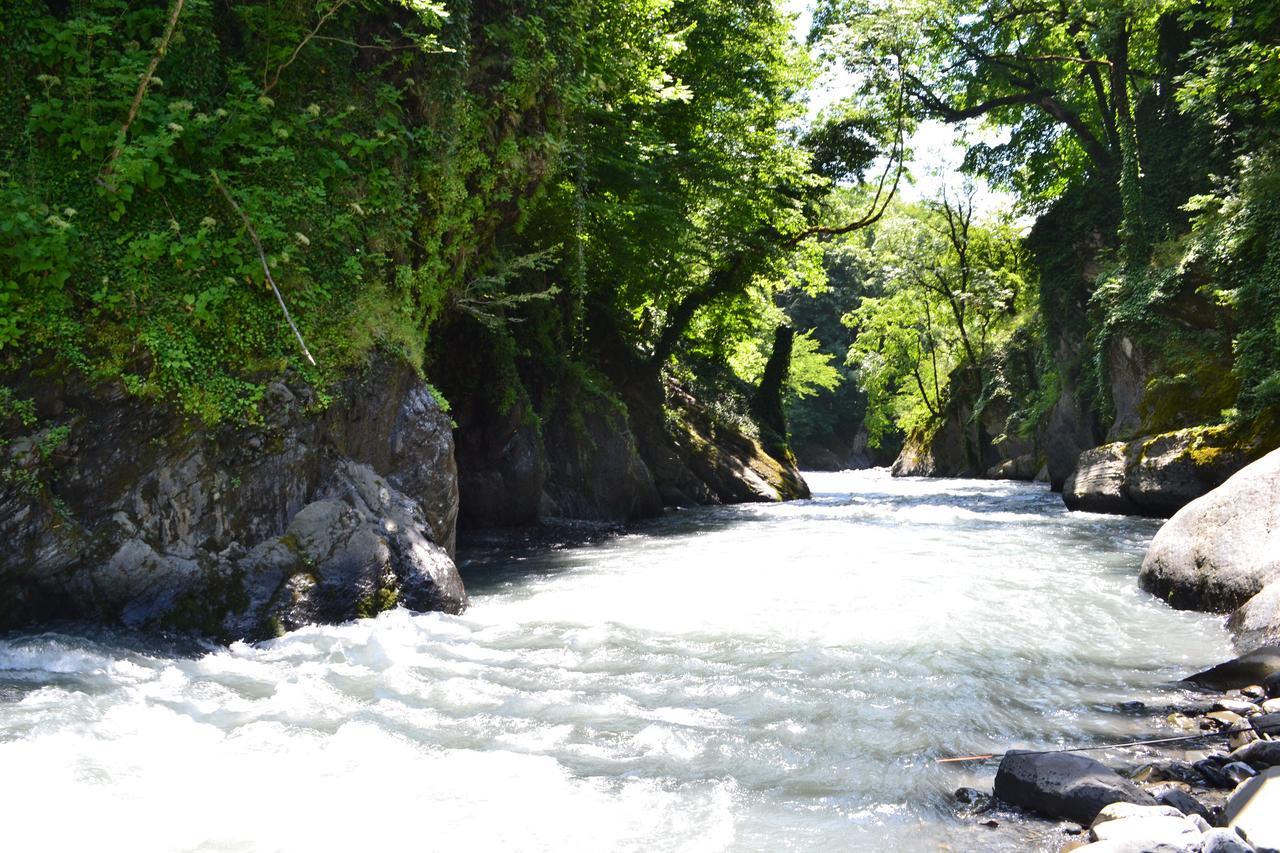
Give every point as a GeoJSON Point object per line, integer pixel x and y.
{"type": "Point", "coordinates": [1221, 549]}
{"type": "Point", "coordinates": [1251, 668]}
{"type": "Point", "coordinates": [1063, 785]}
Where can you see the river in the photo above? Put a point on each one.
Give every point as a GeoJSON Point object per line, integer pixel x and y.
{"type": "Point", "coordinates": [748, 678]}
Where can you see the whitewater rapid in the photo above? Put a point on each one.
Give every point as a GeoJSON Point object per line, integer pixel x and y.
{"type": "Point", "coordinates": [751, 678]}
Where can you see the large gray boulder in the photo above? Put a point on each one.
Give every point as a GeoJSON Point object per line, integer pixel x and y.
{"type": "Point", "coordinates": [1257, 621]}
{"type": "Point", "coordinates": [1063, 785]}
{"type": "Point", "coordinates": [1098, 482]}
{"type": "Point", "coordinates": [1154, 475]}
{"type": "Point", "coordinates": [1254, 810]}
{"type": "Point", "coordinates": [147, 519]}
{"type": "Point", "coordinates": [1220, 550]}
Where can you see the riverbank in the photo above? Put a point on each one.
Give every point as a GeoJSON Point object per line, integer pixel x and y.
{"type": "Point", "coordinates": [1173, 788]}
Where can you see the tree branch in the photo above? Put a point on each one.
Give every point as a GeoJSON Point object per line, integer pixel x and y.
{"type": "Point", "coordinates": [104, 176]}
{"type": "Point", "coordinates": [266, 268]}
{"type": "Point", "coordinates": [267, 87]}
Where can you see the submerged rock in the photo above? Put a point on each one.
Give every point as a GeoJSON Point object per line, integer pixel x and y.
{"type": "Point", "coordinates": [1221, 550]}
{"type": "Point", "coordinates": [1063, 785]}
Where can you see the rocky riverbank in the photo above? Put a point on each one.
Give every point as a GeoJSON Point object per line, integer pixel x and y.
{"type": "Point", "coordinates": [1212, 787]}
{"type": "Point", "coordinates": [118, 510]}
{"type": "Point", "coordinates": [1207, 777]}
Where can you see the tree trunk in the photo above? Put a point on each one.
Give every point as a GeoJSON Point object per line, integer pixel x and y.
{"type": "Point", "coordinates": [767, 404]}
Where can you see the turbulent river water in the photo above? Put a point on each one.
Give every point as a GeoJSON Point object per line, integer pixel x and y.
{"type": "Point", "coordinates": [754, 678]}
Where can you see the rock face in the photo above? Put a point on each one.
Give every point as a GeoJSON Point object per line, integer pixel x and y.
{"type": "Point", "coordinates": [1063, 785]}
{"type": "Point", "coordinates": [1155, 475]}
{"type": "Point", "coordinates": [554, 444]}
{"type": "Point", "coordinates": [1221, 550]}
{"type": "Point", "coordinates": [1070, 429]}
{"type": "Point", "coordinates": [965, 446]}
{"type": "Point", "coordinates": [1128, 371]}
{"type": "Point", "coordinates": [835, 453]}
{"type": "Point", "coordinates": [144, 519]}
{"type": "Point", "coordinates": [696, 459]}
{"type": "Point", "coordinates": [1098, 482]}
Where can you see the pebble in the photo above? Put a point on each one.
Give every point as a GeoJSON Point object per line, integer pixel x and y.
{"type": "Point", "coordinates": [1237, 706]}
{"type": "Point", "coordinates": [1227, 719]}
{"type": "Point", "coordinates": [1271, 706]}
{"type": "Point", "coordinates": [1253, 691]}
{"type": "Point", "coordinates": [1239, 739]}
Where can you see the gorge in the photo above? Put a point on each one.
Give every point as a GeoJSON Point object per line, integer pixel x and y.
{"type": "Point", "coordinates": [403, 409]}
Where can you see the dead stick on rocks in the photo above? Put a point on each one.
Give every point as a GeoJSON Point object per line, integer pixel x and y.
{"type": "Point", "coordinates": [266, 268]}
{"type": "Point", "coordinates": [1227, 732]}
{"type": "Point", "coordinates": [143, 84]}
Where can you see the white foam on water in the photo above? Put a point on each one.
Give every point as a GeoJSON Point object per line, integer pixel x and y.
{"type": "Point", "coordinates": [739, 678]}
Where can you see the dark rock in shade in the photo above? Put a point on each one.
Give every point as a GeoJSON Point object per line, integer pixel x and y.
{"type": "Point", "coordinates": [1063, 785]}
{"type": "Point", "coordinates": [1259, 755]}
{"type": "Point", "coordinates": [1266, 724]}
{"type": "Point", "coordinates": [1183, 802]}
{"type": "Point", "coordinates": [1271, 685]}
{"type": "Point", "coordinates": [1071, 430]}
{"type": "Point", "coordinates": [1178, 771]}
{"type": "Point", "coordinates": [1250, 668]}
{"type": "Point", "coordinates": [1210, 770]}
{"type": "Point", "coordinates": [146, 519]}
{"type": "Point", "coordinates": [1222, 549]}
{"type": "Point", "coordinates": [1019, 468]}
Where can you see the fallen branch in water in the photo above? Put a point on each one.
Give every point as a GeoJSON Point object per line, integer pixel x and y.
{"type": "Point", "coordinates": [266, 268]}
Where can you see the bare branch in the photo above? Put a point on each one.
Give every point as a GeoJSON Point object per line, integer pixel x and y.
{"type": "Point", "coordinates": [275, 78]}
{"type": "Point", "coordinates": [266, 268]}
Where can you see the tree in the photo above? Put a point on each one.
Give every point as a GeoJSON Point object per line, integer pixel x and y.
{"type": "Point", "coordinates": [951, 291]}
{"type": "Point", "coordinates": [1061, 76]}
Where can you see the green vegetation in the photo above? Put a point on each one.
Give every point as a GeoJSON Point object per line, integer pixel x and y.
{"type": "Point", "coordinates": [1141, 137]}
{"type": "Point", "coordinates": [550, 204]}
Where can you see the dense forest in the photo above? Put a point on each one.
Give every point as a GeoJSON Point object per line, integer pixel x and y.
{"type": "Point", "coordinates": [576, 219]}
